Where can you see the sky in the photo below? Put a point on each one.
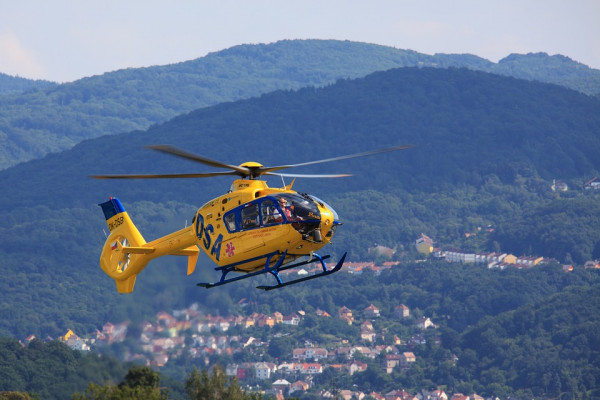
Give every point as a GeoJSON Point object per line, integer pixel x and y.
{"type": "Point", "coordinates": [65, 40]}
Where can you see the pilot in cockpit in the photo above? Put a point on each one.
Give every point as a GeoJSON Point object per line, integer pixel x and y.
{"type": "Point", "coordinates": [287, 210]}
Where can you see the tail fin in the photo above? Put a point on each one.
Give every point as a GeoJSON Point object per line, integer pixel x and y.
{"type": "Point", "coordinates": [126, 253]}
{"type": "Point", "coordinates": [123, 256]}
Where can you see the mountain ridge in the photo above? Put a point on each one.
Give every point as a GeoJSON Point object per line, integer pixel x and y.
{"type": "Point", "coordinates": [487, 147]}
{"type": "Point", "coordinates": [36, 122]}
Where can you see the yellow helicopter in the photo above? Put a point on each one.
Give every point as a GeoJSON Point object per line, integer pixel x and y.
{"type": "Point", "coordinates": [252, 229]}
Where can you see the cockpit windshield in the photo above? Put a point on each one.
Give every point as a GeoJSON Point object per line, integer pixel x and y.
{"type": "Point", "coordinates": [296, 207]}
{"type": "Point", "coordinates": [299, 210]}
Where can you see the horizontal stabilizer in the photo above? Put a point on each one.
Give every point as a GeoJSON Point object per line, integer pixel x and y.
{"type": "Point", "coordinates": [138, 250]}
{"type": "Point", "coordinates": [192, 252]}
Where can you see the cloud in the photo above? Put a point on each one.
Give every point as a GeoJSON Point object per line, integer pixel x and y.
{"type": "Point", "coordinates": [17, 60]}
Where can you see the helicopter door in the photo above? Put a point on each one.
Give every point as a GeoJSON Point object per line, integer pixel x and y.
{"type": "Point", "coordinates": [269, 212]}
{"type": "Point", "coordinates": [250, 218]}
{"type": "Point", "coordinates": [251, 237]}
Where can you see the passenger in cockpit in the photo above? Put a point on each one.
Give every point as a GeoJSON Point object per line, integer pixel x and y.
{"type": "Point", "coordinates": [287, 210]}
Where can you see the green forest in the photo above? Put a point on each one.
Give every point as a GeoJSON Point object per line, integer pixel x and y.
{"type": "Point", "coordinates": [53, 371]}
{"type": "Point", "coordinates": [39, 117]}
{"type": "Point", "coordinates": [14, 84]}
{"type": "Point", "coordinates": [486, 151]}
{"type": "Point", "coordinates": [524, 333]}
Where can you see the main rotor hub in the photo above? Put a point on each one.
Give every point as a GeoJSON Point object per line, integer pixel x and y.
{"type": "Point", "coordinates": [254, 169]}
{"type": "Point", "coordinates": [252, 164]}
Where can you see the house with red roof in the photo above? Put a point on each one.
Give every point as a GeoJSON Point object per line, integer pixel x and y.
{"type": "Point", "coordinates": [401, 311]}
{"type": "Point", "coordinates": [371, 312]}
{"type": "Point", "coordinates": [299, 386]}
{"type": "Point", "coordinates": [344, 313]}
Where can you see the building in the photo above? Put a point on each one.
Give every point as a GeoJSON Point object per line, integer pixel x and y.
{"type": "Point", "coordinates": [592, 184]}
{"type": "Point", "coordinates": [459, 256]}
{"type": "Point", "coordinates": [310, 353]}
{"type": "Point", "coordinates": [281, 385]}
{"type": "Point", "coordinates": [401, 311]}
{"type": "Point", "coordinates": [265, 320]}
{"type": "Point", "coordinates": [528, 261]}
{"type": "Point", "coordinates": [391, 361]}
{"type": "Point", "coordinates": [367, 334]}
{"type": "Point", "coordinates": [356, 366]}
{"type": "Point", "coordinates": [293, 319]}
{"type": "Point", "coordinates": [398, 395]}
{"type": "Point", "coordinates": [345, 314]}
{"type": "Point", "coordinates": [299, 386]}
{"type": "Point", "coordinates": [424, 244]}
{"type": "Point", "coordinates": [371, 312]}
{"type": "Point", "coordinates": [559, 186]}
{"type": "Point", "coordinates": [438, 395]}
{"type": "Point", "coordinates": [424, 323]}
{"type": "Point", "coordinates": [407, 359]}
{"type": "Point", "coordinates": [459, 396]}
{"type": "Point", "coordinates": [308, 368]}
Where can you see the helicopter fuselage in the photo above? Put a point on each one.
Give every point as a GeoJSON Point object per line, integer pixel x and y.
{"type": "Point", "coordinates": [248, 230]}
{"type": "Point", "coordinates": [253, 220]}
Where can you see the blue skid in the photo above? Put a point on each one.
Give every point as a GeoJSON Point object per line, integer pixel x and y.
{"type": "Point", "coordinates": [274, 270]}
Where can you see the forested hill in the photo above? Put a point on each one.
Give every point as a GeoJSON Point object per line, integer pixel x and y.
{"type": "Point", "coordinates": [467, 126]}
{"type": "Point", "coordinates": [54, 118]}
{"type": "Point", "coordinates": [487, 149]}
{"type": "Point", "coordinates": [14, 84]}
{"type": "Point", "coordinates": [516, 333]}
{"type": "Point", "coordinates": [550, 347]}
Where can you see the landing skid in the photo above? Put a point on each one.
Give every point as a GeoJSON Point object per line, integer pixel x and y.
{"type": "Point", "coordinates": [275, 270]}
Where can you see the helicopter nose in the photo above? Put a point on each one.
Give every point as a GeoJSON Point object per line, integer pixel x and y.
{"type": "Point", "coordinates": [329, 223]}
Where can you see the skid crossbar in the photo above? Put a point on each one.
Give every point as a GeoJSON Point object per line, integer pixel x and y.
{"type": "Point", "coordinates": [274, 270]}
{"type": "Point", "coordinates": [325, 272]}
{"type": "Point", "coordinates": [231, 267]}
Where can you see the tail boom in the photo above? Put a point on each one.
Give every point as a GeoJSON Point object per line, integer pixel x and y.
{"type": "Point", "coordinates": [126, 253]}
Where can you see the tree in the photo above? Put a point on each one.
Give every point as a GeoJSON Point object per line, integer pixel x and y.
{"type": "Point", "coordinates": [140, 383]}
{"type": "Point", "coordinates": [217, 386]}
{"type": "Point", "coordinates": [15, 396]}
{"type": "Point", "coordinates": [140, 377]}
{"type": "Point", "coordinates": [280, 347]}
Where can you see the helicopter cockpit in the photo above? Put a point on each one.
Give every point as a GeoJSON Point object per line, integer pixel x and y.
{"type": "Point", "coordinates": [299, 210]}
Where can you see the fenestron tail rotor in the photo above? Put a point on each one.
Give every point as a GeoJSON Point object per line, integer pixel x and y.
{"type": "Point", "coordinates": [250, 170]}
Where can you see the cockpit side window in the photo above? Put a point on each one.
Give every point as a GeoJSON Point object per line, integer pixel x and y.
{"type": "Point", "coordinates": [270, 213]}
{"type": "Point", "coordinates": [250, 217]}
{"type": "Point", "coordinates": [230, 221]}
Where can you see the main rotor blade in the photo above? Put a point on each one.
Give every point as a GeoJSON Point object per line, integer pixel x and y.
{"type": "Point", "coordinates": [194, 157]}
{"type": "Point", "coordinates": [309, 175]}
{"type": "Point", "coordinates": [163, 176]}
{"type": "Point", "coordinates": [364, 154]}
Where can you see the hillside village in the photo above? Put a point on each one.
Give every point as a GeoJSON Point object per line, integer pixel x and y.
{"type": "Point", "coordinates": [202, 338]}
{"type": "Point", "coordinates": [190, 334]}
{"type": "Point", "coordinates": [425, 246]}
{"type": "Point", "coordinates": [195, 335]}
